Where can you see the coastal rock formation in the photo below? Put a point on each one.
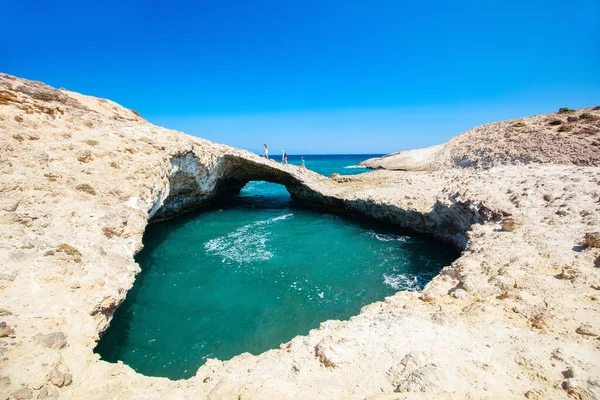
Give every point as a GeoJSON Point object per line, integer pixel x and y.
{"type": "Point", "coordinates": [81, 177]}
{"type": "Point", "coordinates": [569, 137]}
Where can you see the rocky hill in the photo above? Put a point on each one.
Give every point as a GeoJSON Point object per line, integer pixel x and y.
{"type": "Point", "coordinates": [567, 137]}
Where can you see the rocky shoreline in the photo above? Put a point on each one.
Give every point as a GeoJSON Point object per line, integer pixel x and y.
{"type": "Point", "coordinates": [516, 315]}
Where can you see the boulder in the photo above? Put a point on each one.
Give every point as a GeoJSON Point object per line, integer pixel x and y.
{"type": "Point", "coordinates": [510, 224]}
{"type": "Point", "coordinates": [54, 340]}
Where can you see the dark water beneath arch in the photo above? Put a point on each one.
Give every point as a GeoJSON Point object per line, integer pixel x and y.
{"type": "Point", "coordinates": [253, 273]}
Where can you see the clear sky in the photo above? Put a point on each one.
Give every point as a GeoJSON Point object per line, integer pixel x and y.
{"type": "Point", "coordinates": [327, 76]}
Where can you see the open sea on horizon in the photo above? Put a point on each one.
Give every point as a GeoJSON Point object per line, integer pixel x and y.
{"type": "Point", "coordinates": [327, 164]}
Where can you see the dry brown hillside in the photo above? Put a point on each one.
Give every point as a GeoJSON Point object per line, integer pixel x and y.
{"type": "Point", "coordinates": [567, 137]}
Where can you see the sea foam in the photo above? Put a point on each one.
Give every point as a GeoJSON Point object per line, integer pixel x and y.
{"type": "Point", "coordinates": [389, 237]}
{"type": "Point", "coordinates": [355, 166]}
{"type": "Point", "coordinates": [402, 282]}
{"type": "Point", "coordinates": [246, 244]}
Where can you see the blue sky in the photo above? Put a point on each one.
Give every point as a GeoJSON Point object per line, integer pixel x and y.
{"type": "Point", "coordinates": [314, 76]}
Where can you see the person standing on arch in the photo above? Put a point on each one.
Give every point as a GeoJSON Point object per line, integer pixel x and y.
{"type": "Point", "coordinates": [283, 157]}
{"type": "Point", "coordinates": [265, 151]}
{"type": "Point", "coordinates": [302, 167]}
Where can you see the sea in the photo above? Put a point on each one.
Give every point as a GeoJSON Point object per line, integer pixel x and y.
{"type": "Point", "coordinates": [254, 271]}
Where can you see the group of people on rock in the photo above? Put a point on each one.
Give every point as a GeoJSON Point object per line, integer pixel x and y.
{"type": "Point", "coordinates": [284, 159]}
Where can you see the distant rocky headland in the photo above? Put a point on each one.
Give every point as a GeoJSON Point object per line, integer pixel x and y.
{"type": "Point", "coordinates": [565, 137]}
{"type": "Point", "coordinates": [517, 315]}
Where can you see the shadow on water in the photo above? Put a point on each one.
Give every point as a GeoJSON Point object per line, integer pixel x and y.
{"type": "Point", "coordinates": [191, 302]}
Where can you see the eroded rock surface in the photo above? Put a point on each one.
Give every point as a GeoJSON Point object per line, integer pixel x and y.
{"type": "Point", "coordinates": [81, 177]}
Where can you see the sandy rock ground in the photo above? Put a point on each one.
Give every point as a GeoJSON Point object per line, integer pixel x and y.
{"type": "Point", "coordinates": [568, 138]}
{"type": "Point", "coordinates": [517, 315]}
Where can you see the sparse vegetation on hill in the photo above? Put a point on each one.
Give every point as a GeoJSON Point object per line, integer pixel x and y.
{"type": "Point", "coordinates": [565, 110]}
{"type": "Point", "coordinates": [86, 188]}
{"type": "Point", "coordinates": [70, 251]}
{"type": "Point", "coordinates": [565, 128]}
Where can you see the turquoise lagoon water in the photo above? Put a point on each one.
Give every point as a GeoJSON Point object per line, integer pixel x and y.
{"type": "Point", "coordinates": [253, 272]}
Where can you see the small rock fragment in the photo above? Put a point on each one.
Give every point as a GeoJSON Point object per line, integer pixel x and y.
{"type": "Point", "coordinates": [459, 294]}
{"type": "Point", "coordinates": [586, 329]}
{"type": "Point", "coordinates": [562, 212]}
{"type": "Point", "coordinates": [55, 340]}
{"type": "Point", "coordinates": [504, 282]}
{"type": "Point", "coordinates": [569, 372]}
{"type": "Point", "coordinates": [84, 156]}
{"type": "Point", "coordinates": [4, 381]}
{"type": "Point", "coordinates": [503, 295]}
{"type": "Point", "coordinates": [22, 394]}
{"type": "Point", "coordinates": [510, 224]}
{"type": "Point", "coordinates": [576, 389]}
{"type": "Point", "coordinates": [539, 320]}
{"type": "Point", "coordinates": [568, 273]}
{"type": "Point", "coordinates": [592, 239]}
{"type": "Point", "coordinates": [535, 394]}
{"type": "Point", "coordinates": [443, 318]}
{"type": "Point", "coordinates": [425, 379]}
{"type": "Point", "coordinates": [320, 353]}
{"type": "Point", "coordinates": [43, 394]}
{"type": "Point", "coordinates": [57, 378]}
{"type": "Point", "coordinates": [10, 206]}
{"type": "Point", "coordinates": [335, 351]}
{"type": "Point", "coordinates": [558, 354]}
{"type": "Point", "coordinates": [6, 330]}
{"type": "Point", "coordinates": [413, 360]}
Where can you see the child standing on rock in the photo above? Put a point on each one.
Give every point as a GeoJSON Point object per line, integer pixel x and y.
{"type": "Point", "coordinates": [302, 167]}
{"type": "Point", "coordinates": [265, 151]}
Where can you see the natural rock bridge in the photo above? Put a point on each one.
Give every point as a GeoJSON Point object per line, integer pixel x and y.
{"type": "Point", "coordinates": [193, 182]}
